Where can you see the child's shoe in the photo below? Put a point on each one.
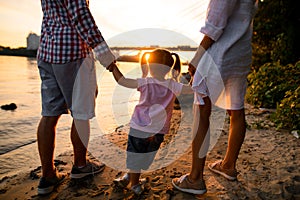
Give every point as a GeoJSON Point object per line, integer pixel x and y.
{"type": "Point", "coordinates": [122, 181]}
{"type": "Point", "coordinates": [137, 189]}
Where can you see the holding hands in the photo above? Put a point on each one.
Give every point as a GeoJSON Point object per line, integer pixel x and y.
{"type": "Point", "coordinates": [191, 69]}
{"type": "Point", "coordinates": [112, 66]}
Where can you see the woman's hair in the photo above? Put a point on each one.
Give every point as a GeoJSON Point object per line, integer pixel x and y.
{"type": "Point", "coordinates": [164, 57]}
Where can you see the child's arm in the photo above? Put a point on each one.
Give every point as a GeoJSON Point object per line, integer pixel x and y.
{"type": "Point", "coordinates": [126, 82]}
{"type": "Point", "coordinates": [187, 89]}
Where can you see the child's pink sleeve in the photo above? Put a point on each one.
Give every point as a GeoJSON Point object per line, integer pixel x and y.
{"type": "Point", "coordinates": [141, 82]}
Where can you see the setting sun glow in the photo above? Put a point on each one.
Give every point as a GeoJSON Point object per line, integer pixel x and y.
{"type": "Point", "coordinates": [112, 17]}
{"type": "Point", "coordinates": [147, 57]}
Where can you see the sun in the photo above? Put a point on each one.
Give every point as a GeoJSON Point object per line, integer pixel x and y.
{"type": "Point", "coordinates": [147, 56]}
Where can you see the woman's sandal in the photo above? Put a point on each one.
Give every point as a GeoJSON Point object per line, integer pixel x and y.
{"type": "Point", "coordinates": [230, 174]}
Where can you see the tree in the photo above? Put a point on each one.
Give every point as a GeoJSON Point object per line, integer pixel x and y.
{"type": "Point", "coordinates": [276, 32]}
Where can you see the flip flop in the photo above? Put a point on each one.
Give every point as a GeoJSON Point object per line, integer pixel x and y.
{"type": "Point", "coordinates": [230, 174]}
{"type": "Point", "coordinates": [184, 184]}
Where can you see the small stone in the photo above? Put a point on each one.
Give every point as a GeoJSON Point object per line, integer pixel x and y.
{"type": "Point", "coordinates": [11, 106]}
{"type": "Point", "coordinates": [2, 191]}
{"type": "Point", "coordinates": [296, 178]}
{"type": "Point", "coordinates": [293, 189]}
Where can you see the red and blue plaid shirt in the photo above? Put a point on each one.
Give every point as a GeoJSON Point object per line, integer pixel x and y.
{"type": "Point", "coordinates": [69, 31]}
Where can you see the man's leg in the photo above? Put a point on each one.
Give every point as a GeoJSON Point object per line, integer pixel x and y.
{"type": "Point", "coordinates": [80, 132]}
{"type": "Point", "coordinates": [46, 144]}
{"type": "Point", "coordinates": [202, 120]}
{"type": "Point", "coordinates": [236, 138]}
{"type": "Point", "coordinates": [82, 167]}
{"type": "Point", "coordinates": [82, 103]}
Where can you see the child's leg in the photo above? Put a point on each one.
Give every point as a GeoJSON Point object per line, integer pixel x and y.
{"type": "Point", "coordinates": [134, 178]}
{"type": "Point", "coordinates": [135, 185]}
{"type": "Point", "coordinates": [134, 159]}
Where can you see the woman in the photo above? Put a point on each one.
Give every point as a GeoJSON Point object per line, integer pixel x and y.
{"type": "Point", "coordinates": [226, 46]}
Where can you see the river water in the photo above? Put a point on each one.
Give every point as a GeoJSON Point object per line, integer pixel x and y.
{"type": "Point", "coordinates": [20, 84]}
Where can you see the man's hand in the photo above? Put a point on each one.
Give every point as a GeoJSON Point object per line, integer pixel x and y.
{"type": "Point", "coordinates": [112, 66]}
{"type": "Point", "coordinates": [104, 54]}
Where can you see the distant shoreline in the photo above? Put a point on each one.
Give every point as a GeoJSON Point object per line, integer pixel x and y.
{"type": "Point", "coordinates": [22, 51]}
{"type": "Point", "coordinates": [32, 54]}
{"type": "Point", "coordinates": [6, 51]}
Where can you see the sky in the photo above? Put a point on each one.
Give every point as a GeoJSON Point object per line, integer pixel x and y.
{"type": "Point", "coordinates": [178, 20]}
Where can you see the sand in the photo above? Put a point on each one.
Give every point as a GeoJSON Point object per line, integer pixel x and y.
{"type": "Point", "coordinates": [268, 167]}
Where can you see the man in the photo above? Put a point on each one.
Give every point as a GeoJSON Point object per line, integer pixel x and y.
{"type": "Point", "coordinates": [67, 70]}
{"type": "Point", "coordinates": [226, 47]}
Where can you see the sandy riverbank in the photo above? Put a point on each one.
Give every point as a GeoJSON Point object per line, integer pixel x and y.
{"type": "Point", "coordinates": [268, 168]}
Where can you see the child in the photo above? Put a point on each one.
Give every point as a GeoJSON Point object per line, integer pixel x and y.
{"type": "Point", "coordinates": [152, 115]}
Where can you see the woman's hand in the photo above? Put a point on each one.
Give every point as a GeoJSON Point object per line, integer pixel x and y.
{"type": "Point", "coordinates": [191, 69]}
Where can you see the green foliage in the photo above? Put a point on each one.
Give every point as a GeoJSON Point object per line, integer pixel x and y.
{"type": "Point", "coordinates": [288, 111]}
{"type": "Point", "coordinates": [274, 83]}
{"type": "Point", "coordinates": [276, 32]}
{"type": "Point", "coordinates": [277, 86]}
{"type": "Point", "coordinates": [268, 86]}
{"type": "Point", "coordinates": [260, 56]}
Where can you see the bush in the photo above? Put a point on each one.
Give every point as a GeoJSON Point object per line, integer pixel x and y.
{"type": "Point", "coordinates": [276, 32]}
{"type": "Point", "coordinates": [276, 86]}
{"type": "Point", "coordinates": [268, 85]}
{"type": "Point", "coordinates": [260, 56]}
{"type": "Point", "coordinates": [288, 111]}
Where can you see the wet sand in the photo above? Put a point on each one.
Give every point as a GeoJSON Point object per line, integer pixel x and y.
{"type": "Point", "coordinates": [268, 167]}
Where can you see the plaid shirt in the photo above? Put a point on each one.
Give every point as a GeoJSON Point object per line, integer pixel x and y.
{"type": "Point", "coordinates": [68, 32]}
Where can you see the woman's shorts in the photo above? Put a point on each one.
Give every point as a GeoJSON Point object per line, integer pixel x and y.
{"type": "Point", "coordinates": [232, 96]}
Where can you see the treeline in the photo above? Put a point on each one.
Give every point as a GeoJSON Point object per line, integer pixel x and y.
{"type": "Point", "coordinates": [22, 51]}
{"type": "Point", "coordinates": [274, 81]}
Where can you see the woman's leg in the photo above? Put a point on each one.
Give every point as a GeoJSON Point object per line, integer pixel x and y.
{"type": "Point", "coordinates": [236, 137]}
{"type": "Point", "coordinates": [200, 128]}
